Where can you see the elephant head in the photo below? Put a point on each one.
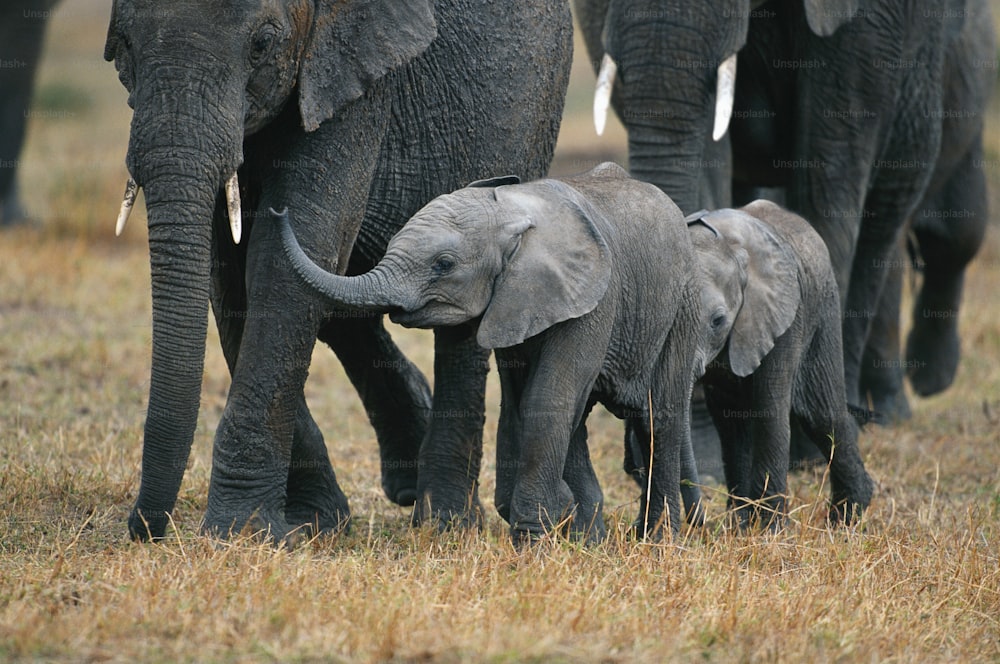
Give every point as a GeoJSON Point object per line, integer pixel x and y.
{"type": "Point", "coordinates": [750, 290]}
{"type": "Point", "coordinates": [520, 258]}
{"type": "Point", "coordinates": [670, 70]}
{"type": "Point", "coordinates": [201, 76]}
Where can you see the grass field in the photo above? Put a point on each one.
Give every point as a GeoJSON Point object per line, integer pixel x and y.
{"type": "Point", "coordinates": [918, 581]}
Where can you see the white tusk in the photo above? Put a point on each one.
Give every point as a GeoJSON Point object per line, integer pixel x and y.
{"type": "Point", "coordinates": [235, 211]}
{"type": "Point", "coordinates": [131, 191]}
{"type": "Point", "coordinates": [602, 95]}
{"type": "Point", "coordinates": [725, 91]}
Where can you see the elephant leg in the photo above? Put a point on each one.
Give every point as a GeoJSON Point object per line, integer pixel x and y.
{"type": "Point", "coordinates": [819, 406]}
{"type": "Point", "coordinates": [694, 507]}
{"type": "Point", "coordinates": [551, 408]}
{"type": "Point", "coordinates": [770, 431]}
{"type": "Point", "coordinates": [451, 453]}
{"type": "Point", "coordinates": [705, 442]}
{"type": "Point", "coordinates": [265, 426]}
{"type": "Point", "coordinates": [314, 498]}
{"type": "Point", "coordinates": [395, 395]}
{"type": "Point", "coordinates": [728, 399]}
{"type": "Point", "coordinates": [881, 371]}
{"type": "Point", "coordinates": [579, 475]}
{"type": "Point", "coordinates": [670, 399]}
{"type": "Point", "coordinates": [949, 228]}
{"type": "Point", "coordinates": [885, 213]}
{"type": "Point", "coordinates": [637, 467]}
{"type": "Point", "coordinates": [513, 374]}
{"type": "Point", "coordinates": [21, 37]}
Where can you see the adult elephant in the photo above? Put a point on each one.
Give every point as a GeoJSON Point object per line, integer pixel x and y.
{"type": "Point", "coordinates": [22, 31]}
{"type": "Point", "coordinates": [841, 106]}
{"type": "Point", "coordinates": [353, 114]}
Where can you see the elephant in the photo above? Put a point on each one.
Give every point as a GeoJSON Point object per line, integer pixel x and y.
{"type": "Point", "coordinates": [354, 113]}
{"type": "Point", "coordinates": [858, 114]}
{"type": "Point", "coordinates": [22, 31]}
{"type": "Point", "coordinates": [585, 289]}
{"type": "Point", "coordinates": [770, 314]}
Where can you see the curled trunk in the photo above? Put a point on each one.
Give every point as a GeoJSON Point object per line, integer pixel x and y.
{"type": "Point", "coordinates": [372, 291]}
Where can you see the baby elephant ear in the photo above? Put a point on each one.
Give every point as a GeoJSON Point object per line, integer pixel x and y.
{"type": "Point", "coordinates": [772, 296]}
{"type": "Point", "coordinates": [557, 269]}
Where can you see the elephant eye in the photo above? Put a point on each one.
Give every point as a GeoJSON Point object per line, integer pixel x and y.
{"type": "Point", "coordinates": [718, 320]}
{"type": "Point", "coordinates": [263, 40]}
{"type": "Point", "coordinates": [443, 265]}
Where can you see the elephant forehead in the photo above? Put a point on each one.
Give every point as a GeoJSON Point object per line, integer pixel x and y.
{"type": "Point", "coordinates": [429, 233]}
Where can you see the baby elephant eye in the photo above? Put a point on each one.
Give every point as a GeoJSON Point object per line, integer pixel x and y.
{"type": "Point", "coordinates": [443, 265]}
{"type": "Point", "coordinates": [718, 320]}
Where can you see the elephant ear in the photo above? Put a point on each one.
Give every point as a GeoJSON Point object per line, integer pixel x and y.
{"type": "Point", "coordinates": [825, 16]}
{"type": "Point", "coordinates": [772, 296]}
{"type": "Point", "coordinates": [353, 44]}
{"type": "Point", "coordinates": [558, 268]}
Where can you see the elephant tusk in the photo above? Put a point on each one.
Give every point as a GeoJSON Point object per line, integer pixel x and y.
{"type": "Point", "coordinates": [131, 191]}
{"type": "Point", "coordinates": [725, 91]}
{"type": "Point", "coordinates": [235, 211]}
{"type": "Point", "coordinates": [602, 94]}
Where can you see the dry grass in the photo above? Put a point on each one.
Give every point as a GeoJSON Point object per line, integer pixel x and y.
{"type": "Point", "coordinates": [920, 581]}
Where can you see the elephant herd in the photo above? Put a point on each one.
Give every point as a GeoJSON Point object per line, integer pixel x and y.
{"type": "Point", "coordinates": [863, 117]}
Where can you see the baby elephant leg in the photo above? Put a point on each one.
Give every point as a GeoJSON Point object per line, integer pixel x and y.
{"type": "Point", "coordinates": [770, 432]}
{"type": "Point", "coordinates": [578, 473]}
{"type": "Point", "coordinates": [540, 499]}
{"type": "Point", "coordinates": [824, 415]}
{"type": "Point", "coordinates": [636, 466]}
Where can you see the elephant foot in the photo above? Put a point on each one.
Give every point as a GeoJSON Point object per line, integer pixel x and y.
{"type": "Point", "coordinates": [12, 214]}
{"type": "Point", "coordinates": [764, 515]}
{"type": "Point", "coordinates": [314, 498]}
{"type": "Point", "coordinates": [399, 480]}
{"type": "Point", "coordinates": [467, 513]}
{"type": "Point", "coordinates": [848, 502]}
{"type": "Point", "coordinates": [932, 354]}
{"type": "Point", "coordinates": [694, 506]}
{"type": "Point", "coordinates": [654, 532]}
{"type": "Point", "coordinates": [319, 513]}
{"type": "Point", "coordinates": [147, 525]}
{"type": "Point", "coordinates": [532, 516]}
{"type": "Point", "coordinates": [588, 526]}
{"type": "Point", "coordinates": [889, 407]}
{"type": "Point", "coordinates": [264, 524]}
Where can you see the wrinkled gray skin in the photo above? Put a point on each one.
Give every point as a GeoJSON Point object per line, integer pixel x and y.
{"type": "Point", "coordinates": [22, 31]}
{"type": "Point", "coordinates": [584, 286]}
{"type": "Point", "coordinates": [770, 305]}
{"type": "Point", "coordinates": [354, 114]}
{"type": "Point", "coordinates": [844, 118]}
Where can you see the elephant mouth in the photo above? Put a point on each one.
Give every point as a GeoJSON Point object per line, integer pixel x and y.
{"type": "Point", "coordinates": [430, 316]}
{"type": "Point", "coordinates": [409, 318]}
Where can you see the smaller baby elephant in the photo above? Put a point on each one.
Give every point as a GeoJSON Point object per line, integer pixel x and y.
{"type": "Point", "coordinates": [771, 310]}
{"type": "Point", "coordinates": [586, 288]}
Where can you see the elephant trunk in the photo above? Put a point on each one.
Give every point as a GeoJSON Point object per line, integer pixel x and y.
{"type": "Point", "coordinates": [670, 116]}
{"type": "Point", "coordinates": [671, 78]}
{"type": "Point", "coordinates": [375, 291]}
{"type": "Point", "coordinates": [181, 150]}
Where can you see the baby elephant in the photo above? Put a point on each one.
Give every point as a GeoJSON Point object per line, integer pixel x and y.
{"type": "Point", "coordinates": [771, 311]}
{"type": "Point", "coordinates": [586, 288]}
